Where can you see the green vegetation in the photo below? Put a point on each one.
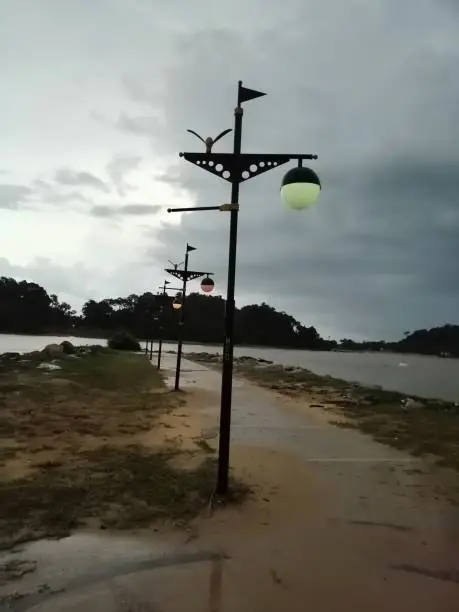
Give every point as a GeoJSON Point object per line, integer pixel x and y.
{"type": "Point", "coordinates": [122, 340]}
{"type": "Point", "coordinates": [119, 487]}
{"type": "Point", "coordinates": [26, 308]}
{"type": "Point", "coordinates": [442, 341]}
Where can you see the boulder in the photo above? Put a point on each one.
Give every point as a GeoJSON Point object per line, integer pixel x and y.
{"type": "Point", "coordinates": [96, 349]}
{"type": "Point", "coordinates": [10, 356]}
{"type": "Point", "coordinates": [68, 348]}
{"type": "Point", "coordinates": [53, 350]}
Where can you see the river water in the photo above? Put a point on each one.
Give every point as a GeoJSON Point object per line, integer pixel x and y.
{"type": "Point", "coordinates": [412, 374]}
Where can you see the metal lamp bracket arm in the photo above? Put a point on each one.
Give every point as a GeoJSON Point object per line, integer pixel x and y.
{"type": "Point", "coordinates": [240, 168]}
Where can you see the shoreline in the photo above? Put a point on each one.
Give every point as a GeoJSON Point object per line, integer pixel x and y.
{"type": "Point", "coordinates": [244, 363]}
{"type": "Point", "coordinates": [88, 335]}
{"type": "Point", "coordinates": [423, 427]}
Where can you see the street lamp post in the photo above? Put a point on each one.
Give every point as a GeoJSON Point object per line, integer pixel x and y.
{"type": "Point", "coordinates": [163, 295]}
{"type": "Point", "coordinates": [300, 188]}
{"type": "Point", "coordinates": [184, 275]}
{"type": "Point", "coordinates": [161, 326]}
{"type": "Point", "coordinates": [155, 321]}
{"type": "Point", "coordinates": [149, 342]}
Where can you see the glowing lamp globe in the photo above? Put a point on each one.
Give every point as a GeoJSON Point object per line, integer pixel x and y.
{"type": "Point", "coordinates": [176, 305]}
{"type": "Point", "coordinates": [207, 285]}
{"type": "Point", "coordinates": [300, 188]}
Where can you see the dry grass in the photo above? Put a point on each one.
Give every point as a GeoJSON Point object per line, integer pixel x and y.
{"type": "Point", "coordinates": [75, 450]}
{"type": "Point", "coordinates": [105, 394]}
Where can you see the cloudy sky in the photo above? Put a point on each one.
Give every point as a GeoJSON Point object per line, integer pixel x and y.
{"type": "Point", "coordinates": [96, 99]}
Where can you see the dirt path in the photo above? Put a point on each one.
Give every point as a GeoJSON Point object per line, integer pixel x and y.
{"type": "Point", "coordinates": [350, 523]}
{"type": "Point", "coordinates": [337, 522]}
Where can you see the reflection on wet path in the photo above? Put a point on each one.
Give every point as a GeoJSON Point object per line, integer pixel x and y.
{"type": "Point", "coordinates": [215, 591]}
{"type": "Point", "coordinates": [338, 522]}
{"type": "Point", "coordinates": [84, 560]}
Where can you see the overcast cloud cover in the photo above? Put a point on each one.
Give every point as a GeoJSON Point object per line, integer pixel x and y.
{"type": "Point", "coordinates": [96, 99]}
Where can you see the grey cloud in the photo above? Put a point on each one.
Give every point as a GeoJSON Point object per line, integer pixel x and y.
{"type": "Point", "coordinates": [372, 87]}
{"type": "Point", "coordinates": [70, 283]}
{"type": "Point", "coordinates": [100, 118]}
{"type": "Point", "coordinates": [118, 168]}
{"type": "Point", "coordinates": [49, 193]}
{"type": "Point", "coordinates": [378, 253]}
{"type": "Point", "coordinates": [142, 126]}
{"type": "Point", "coordinates": [12, 196]}
{"type": "Point", "coordinates": [141, 91]}
{"type": "Point", "coordinates": [132, 210]}
{"type": "Point", "coordinates": [173, 177]}
{"type": "Point", "coordinates": [59, 198]}
{"type": "Point", "coordinates": [75, 178]}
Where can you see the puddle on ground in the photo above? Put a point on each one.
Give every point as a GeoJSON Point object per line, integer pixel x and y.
{"type": "Point", "coordinates": [82, 560]}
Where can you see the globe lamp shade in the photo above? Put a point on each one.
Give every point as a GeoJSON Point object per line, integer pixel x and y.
{"type": "Point", "coordinates": [176, 305]}
{"type": "Point", "coordinates": [207, 285]}
{"type": "Point", "coordinates": [300, 188]}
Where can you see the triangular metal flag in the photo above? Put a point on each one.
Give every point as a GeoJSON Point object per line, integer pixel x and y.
{"type": "Point", "coordinates": [190, 248]}
{"type": "Point", "coordinates": [248, 94]}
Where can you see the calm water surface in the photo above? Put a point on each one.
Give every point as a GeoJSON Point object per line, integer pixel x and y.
{"type": "Point", "coordinates": [412, 374]}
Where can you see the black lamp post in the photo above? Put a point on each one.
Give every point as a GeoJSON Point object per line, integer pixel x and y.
{"type": "Point", "coordinates": [163, 297]}
{"type": "Point", "coordinates": [151, 323]}
{"type": "Point", "coordinates": [155, 323]}
{"type": "Point", "coordinates": [300, 188]}
{"type": "Point", "coordinates": [184, 275]}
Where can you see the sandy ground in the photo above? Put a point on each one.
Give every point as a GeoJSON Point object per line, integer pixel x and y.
{"type": "Point", "coordinates": [336, 522]}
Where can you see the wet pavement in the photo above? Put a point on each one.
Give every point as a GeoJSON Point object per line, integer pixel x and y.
{"type": "Point", "coordinates": [337, 522]}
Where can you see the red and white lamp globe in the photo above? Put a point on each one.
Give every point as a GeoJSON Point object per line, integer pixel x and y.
{"type": "Point", "coordinates": [177, 303]}
{"type": "Point", "coordinates": [207, 285]}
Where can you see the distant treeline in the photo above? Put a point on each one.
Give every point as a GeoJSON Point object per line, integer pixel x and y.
{"type": "Point", "coordinates": [27, 308]}
{"type": "Point", "coordinates": [442, 341]}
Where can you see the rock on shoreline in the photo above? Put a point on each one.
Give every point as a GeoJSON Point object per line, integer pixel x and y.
{"type": "Point", "coordinates": [218, 358]}
{"type": "Point", "coordinates": [48, 354]}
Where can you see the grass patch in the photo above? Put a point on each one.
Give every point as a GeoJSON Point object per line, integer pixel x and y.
{"type": "Point", "coordinates": [98, 394]}
{"type": "Point", "coordinates": [119, 488]}
{"type": "Point", "coordinates": [111, 370]}
{"type": "Point", "coordinates": [75, 449]}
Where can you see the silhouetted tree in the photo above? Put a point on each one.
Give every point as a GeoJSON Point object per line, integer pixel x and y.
{"type": "Point", "coordinates": [436, 341]}
{"type": "Point", "coordinates": [26, 308]}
